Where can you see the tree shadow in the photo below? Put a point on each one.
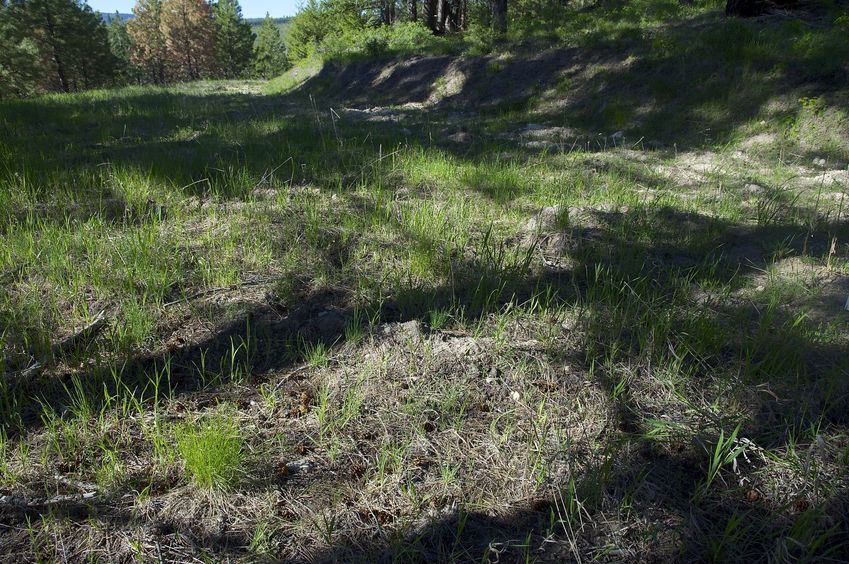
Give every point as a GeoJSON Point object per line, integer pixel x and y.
{"type": "Point", "coordinates": [644, 251]}
{"type": "Point", "coordinates": [691, 83]}
{"type": "Point", "coordinates": [625, 252]}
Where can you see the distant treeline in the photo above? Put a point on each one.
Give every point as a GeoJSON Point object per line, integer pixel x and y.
{"type": "Point", "coordinates": [63, 45]}
{"type": "Point", "coordinates": [253, 22]}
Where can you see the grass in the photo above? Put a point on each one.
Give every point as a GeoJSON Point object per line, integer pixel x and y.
{"type": "Point", "coordinates": [213, 451]}
{"type": "Point", "coordinates": [527, 346]}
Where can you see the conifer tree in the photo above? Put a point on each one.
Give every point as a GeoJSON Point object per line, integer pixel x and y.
{"type": "Point", "coordinates": [270, 55]}
{"type": "Point", "coordinates": [121, 46]}
{"type": "Point", "coordinates": [189, 33]}
{"type": "Point", "coordinates": [148, 42]}
{"type": "Point", "coordinates": [19, 58]}
{"type": "Point", "coordinates": [54, 45]}
{"type": "Point", "coordinates": [235, 39]}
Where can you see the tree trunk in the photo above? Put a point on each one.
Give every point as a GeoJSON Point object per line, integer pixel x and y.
{"type": "Point", "coordinates": [744, 8]}
{"type": "Point", "coordinates": [412, 9]}
{"type": "Point", "coordinates": [463, 8]}
{"type": "Point", "coordinates": [752, 8]}
{"type": "Point", "coordinates": [430, 14]}
{"type": "Point", "coordinates": [499, 16]}
{"type": "Point", "coordinates": [441, 15]}
{"type": "Point", "coordinates": [60, 68]}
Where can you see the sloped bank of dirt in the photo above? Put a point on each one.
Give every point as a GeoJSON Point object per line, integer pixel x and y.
{"type": "Point", "coordinates": [480, 81]}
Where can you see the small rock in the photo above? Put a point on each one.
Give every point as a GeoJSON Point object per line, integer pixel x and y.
{"type": "Point", "coordinates": [329, 324]}
{"type": "Point", "coordinates": [819, 162]}
{"type": "Point", "coordinates": [460, 137]}
{"type": "Point", "coordinates": [540, 145]}
{"type": "Point", "coordinates": [546, 219]}
{"type": "Point", "coordinates": [515, 396]}
{"type": "Point", "coordinates": [403, 333]}
{"type": "Point", "coordinates": [618, 136]}
{"type": "Point", "coordinates": [264, 193]}
{"type": "Point", "coordinates": [300, 466]}
{"type": "Point", "coordinates": [533, 127]}
{"type": "Point", "coordinates": [753, 189]}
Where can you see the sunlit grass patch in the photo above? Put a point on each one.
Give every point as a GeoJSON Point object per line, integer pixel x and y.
{"type": "Point", "coordinates": [213, 451]}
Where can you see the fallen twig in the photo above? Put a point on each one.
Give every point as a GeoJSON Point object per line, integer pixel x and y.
{"type": "Point", "coordinates": [209, 291]}
{"type": "Point", "coordinates": [33, 370]}
{"type": "Point", "coordinates": [85, 334]}
{"type": "Point", "coordinates": [21, 502]}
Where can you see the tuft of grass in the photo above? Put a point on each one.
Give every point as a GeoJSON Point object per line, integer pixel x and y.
{"type": "Point", "coordinates": [213, 451]}
{"type": "Point", "coordinates": [316, 355]}
{"type": "Point", "coordinates": [439, 319]}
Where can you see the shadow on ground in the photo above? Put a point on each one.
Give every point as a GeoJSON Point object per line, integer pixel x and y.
{"type": "Point", "coordinates": [806, 384]}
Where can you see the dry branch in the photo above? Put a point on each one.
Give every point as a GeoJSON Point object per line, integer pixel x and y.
{"type": "Point", "coordinates": [15, 501]}
{"type": "Point", "coordinates": [87, 333]}
{"type": "Point", "coordinates": [210, 291]}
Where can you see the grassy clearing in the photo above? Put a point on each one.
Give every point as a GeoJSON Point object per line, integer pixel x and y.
{"type": "Point", "coordinates": [360, 335]}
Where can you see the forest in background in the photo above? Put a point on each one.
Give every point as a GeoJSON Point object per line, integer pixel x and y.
{"type": "Point", "coordinates": [64, 46]}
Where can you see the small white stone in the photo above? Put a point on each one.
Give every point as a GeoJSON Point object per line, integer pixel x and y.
{"type": "Point", "coordinates": [515, 396]}
{"type": "Point", "coordinates": [299, 466]}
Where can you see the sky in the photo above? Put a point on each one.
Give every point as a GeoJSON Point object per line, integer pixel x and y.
{"type": "Point", "coordinates": [250, 8]}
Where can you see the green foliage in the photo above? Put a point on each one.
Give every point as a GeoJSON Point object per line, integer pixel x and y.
{"type": "Point", "coordinates": [18, 53]}
{"type": "Point", "coordinates": [235, 39]}
{"type": "Point", "coordinates": [212, 450]}
{"type": "Point", "coordinates": [270, 53]}
{"type": "Point", "coordinates": [405, 38]}
{"type": "Point", "coordinates": [53, 45]}
{"type": "Point", "coordinates": [725, 452]}
{"type": "Point", "coordinates": [306, 31]}
{"type": "Point", "coordinates": [121, 47]}
{"type": "Point", "coordinates": [331, 19]}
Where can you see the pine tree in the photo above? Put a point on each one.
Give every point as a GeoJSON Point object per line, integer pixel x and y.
{"type": "Point", "coordinates": [54, 45]}
{"type": "Point", "coordinates": [235, 39]}
{"type": "Point", "coordinates": [189, 32]}
{"type": "Point", "coordinates": [121, 46]}
{"type": "Point", "coordinates": [19, 58]}
{"type": "Point", "coordinates": [91, 59]}
{"type": "Point", "coordinates": [270, 55]}
{"type": "Point", "coordinates": [148, 51]}
{"type": "Point", "coordinates": [307, 29]}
